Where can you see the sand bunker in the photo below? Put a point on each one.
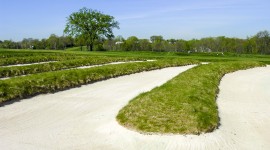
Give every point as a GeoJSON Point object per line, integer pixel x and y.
{"type": "Point", "coordinates": [84, 118]}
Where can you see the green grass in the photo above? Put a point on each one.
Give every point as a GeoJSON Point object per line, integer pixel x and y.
{"type": "Point", "coordinates": [84, 48]}
{"type": "Point", "coordinates": [23, 53]}
{"type": "Point", "coordinates": [203, 57]}
{"type": "Point", "coordinates": [35, 59]}
{"type": "Point", "coordinates": [23, 87]}
{"type": "Point", "coordinates": [209, 57]}
{"type": "Point", "coordinates": [54, 66]}
{"type": "Point", "coordinates": [184, 105]}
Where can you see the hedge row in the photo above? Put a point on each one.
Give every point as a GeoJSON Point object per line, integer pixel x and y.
{"type": "Point", "coordinates": [23, 87]}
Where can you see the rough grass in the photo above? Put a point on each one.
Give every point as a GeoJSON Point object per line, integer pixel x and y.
{"type": "Point", "coordinates": [23, 87]}
{"type": "Point", "coordinates": [34, 59]}
{"type": "Point", "coordinates": [209, 57]}
{"type": "Point", "coordinates": [54, 66]}
{"type": "Point", "coordinates": [184, 105]}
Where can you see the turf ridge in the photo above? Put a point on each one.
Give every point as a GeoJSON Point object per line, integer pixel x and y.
{"type": "Point", "coordinates": [184, 105]}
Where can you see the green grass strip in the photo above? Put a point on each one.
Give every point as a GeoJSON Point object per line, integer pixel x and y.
{"type": "Point", "coordinates": [10, 54]}
{"type": "Point", "coordinates": [35, 59]}
{"type": "Point", "coordinates": [184, 105]}
{"type": "Point", "coordinates": [23, 87]}
{"type": "Point", "coordinates": [61, 65]}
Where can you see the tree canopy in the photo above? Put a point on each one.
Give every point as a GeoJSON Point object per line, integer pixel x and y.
{"type": "Point", "coordinates": [91, 25]}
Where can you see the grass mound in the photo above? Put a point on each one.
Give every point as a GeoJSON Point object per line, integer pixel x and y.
{"type": "Point", "coordinates": [184, 105]}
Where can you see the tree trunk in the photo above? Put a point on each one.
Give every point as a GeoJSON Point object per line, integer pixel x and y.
{"type": "Point", "coordinates": [91, 47]}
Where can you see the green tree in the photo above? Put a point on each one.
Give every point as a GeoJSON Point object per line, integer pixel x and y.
{"type": "Point", "coordinates": [9, 44]}
{"type": "Point", "coordinates": [157, 42]}
{"type": "Point", "coordinates": [35, 44]}
{"type": "Point", "coordinates": [132, 43]}
{"type": "Point", "coordinates": [26, 43]}
{"type": "Point", "coordinates": [263, 41]}
{"type": "Point", "coordinates": [80, 41]}
{"type": "Point", "coordinates": [91, 25]}
{"type": "Point", "coordinates": [251, 45]}
{"type": "Point", "coordinates": [145, 45]}
{"type": "Point", "coordinates": [65, 42]}
{"type": "Point", "coordinates": [53, 41]}
{"type": "Point", "coordinates": [43, 43]}
{"type": "Point", "coordinates": [170, 45]}
{"type": "Point", "coordinates": [116, 43]}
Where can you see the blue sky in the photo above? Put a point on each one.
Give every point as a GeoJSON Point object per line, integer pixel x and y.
{"type": "Point", "coordinates": [179, 19]}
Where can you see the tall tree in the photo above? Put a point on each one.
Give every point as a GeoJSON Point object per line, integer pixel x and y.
{"type": "Point", "coordinates": [53, 41]}
{"type": "Point", "coordinates": [132, 43]}
{"type": "Point", "coordinates": [91, 25]}
{"type": "Point", "coordinates": [157, 42]}
{"type": "Point", "coordinates": [181, 45]}
{"type": "Point", "coordinates": [263, 41]}
{"type": "Point", "coordinates": [145, 45]}
{"type": "Point", "coordinates": [80, 41]}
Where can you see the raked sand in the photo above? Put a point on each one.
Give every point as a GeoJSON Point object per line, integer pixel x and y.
{"type": "Point", "coordinates": [84, 118]}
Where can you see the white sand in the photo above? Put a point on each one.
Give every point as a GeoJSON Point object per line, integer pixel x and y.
{"type": "Point", "coordinates": [84, 118]}
{"type": "Point", "coordinates": [205, 63]}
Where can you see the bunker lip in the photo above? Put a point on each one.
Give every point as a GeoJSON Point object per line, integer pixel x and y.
{"type": "Point", "coordinates": [84, 118]}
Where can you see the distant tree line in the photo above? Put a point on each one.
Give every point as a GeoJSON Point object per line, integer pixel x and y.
{"type": "Point", "coordinates": [257, 44]}
{"type": "Point", "coordinates": [54, 42]}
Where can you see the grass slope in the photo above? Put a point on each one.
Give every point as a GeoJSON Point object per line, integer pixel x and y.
{"type": "Point", "coordinates": [184, 105]}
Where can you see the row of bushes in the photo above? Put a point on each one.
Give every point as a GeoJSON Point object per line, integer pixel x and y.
{"type": "Point", "coordinates": [23, 87]}
{"type": "Point", "coordinates": [53, 66]}
{"type": "Point", "coordinates": [184, 105]}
